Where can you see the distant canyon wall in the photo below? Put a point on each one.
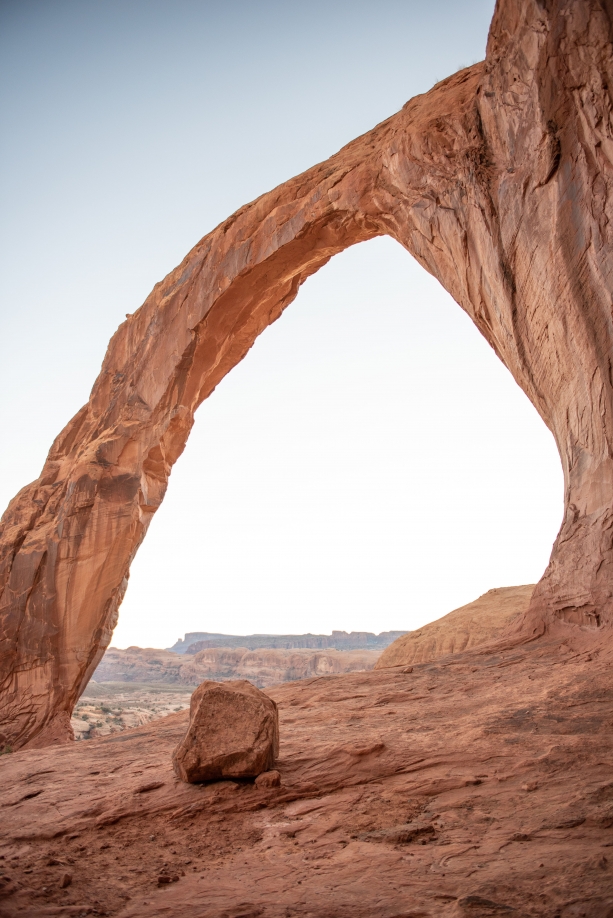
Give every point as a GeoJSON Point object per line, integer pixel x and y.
{"type": "Point", "coordinates": [261, 667]}
{"type": "Point", "coordinates": [338, 640]}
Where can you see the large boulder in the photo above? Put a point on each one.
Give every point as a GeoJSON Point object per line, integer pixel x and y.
{"type": "Point", "coordinates": [233, 733]}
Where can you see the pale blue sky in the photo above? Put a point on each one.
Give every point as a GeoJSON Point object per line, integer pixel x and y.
{"type": "Point", "coordinates": [371, 464]}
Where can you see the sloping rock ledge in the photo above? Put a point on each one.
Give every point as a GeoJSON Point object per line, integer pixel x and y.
{"type": "Point", "coordinates": [477, 785]}
{"type": "Point", "coordinates": [477, 623]}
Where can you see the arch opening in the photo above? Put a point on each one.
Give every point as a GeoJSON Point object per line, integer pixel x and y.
{"type": "Point", "coordinates": [339, 478]}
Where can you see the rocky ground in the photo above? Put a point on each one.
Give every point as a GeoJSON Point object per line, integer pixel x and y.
{"type": "Point", "coordinates": [477, 785]}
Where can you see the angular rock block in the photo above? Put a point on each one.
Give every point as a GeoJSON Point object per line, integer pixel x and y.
{"type": "Point", "coordinates": [233, 733]}
{"type": "Point", "coordinates": [268, 779]}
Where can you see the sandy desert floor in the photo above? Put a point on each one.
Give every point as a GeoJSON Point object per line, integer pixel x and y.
{"type": "Point", "coordinates": [478, 785]}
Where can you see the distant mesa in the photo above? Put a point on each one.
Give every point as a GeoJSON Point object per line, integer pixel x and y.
{"type": "Point", "coordinates": [195, 641]}
{"type": "Point", "coordinates": [270, 659]}
{"type": "Point", "coordinates": [262, 667]}
{"type": "Point", "coordinates": [136, 685]}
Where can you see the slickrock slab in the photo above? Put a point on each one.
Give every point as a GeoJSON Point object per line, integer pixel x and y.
{"type": "Point", "coordinates": [477, 780]}
{"type": "Point", "coordinates": [470, 626]}
{"type": "Point", "coordinates": [233, 733]}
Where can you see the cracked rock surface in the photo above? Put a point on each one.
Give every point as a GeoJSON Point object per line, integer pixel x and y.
{"type": "Point", "coordinates": [480, 784]}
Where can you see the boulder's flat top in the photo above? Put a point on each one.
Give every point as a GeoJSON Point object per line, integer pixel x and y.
{"type": "Point", "coordinates": [475, 779]}
{"type": "Point", "coordinates": [471, 625]}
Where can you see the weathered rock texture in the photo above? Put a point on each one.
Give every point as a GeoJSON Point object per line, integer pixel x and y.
{"type": "Point", "coordinates": [233, 733]}
{"type": "Point", "coordinates": [474, 780]}
{"type": "Point", "coordinates": [472, 625]}
{"type": "Point", "coordinates": [499, 182]}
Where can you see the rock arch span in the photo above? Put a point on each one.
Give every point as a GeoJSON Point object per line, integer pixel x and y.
{"type": "Point", "coordinates": [499, 182]}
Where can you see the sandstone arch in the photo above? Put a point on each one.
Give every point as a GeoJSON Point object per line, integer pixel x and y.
{"type": "Point", "coordinates": [499, 182]}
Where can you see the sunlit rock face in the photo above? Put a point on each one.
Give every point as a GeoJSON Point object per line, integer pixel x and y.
{"type": "Point", "coordinates": [499, 182]}
{"type": "Point", "coordinates": [261, 667]}
{"type": "Point", "coordinates": [480, 622]}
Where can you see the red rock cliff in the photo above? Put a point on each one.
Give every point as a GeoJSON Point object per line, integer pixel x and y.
{"type": "Point", "coordinates": [499, 182]}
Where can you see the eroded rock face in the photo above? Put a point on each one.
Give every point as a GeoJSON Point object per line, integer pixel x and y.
{"type": "Point", "coordinates": [499, 182]}
{"type": "Point", "coordinates": [233, 733]}
{"type": "Point", "coordinates": [477, 623]}
{"type": "Point", "coordinates": [260, 667]}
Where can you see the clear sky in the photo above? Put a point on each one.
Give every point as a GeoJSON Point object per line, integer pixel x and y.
{"type": "Point", "coordinates": [371, 464]}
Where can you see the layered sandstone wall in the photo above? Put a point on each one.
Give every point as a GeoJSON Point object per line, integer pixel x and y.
{"type": "Point", "coordinates": [261, 667]}
{"type": "Point", "coordinates": [499, 182]}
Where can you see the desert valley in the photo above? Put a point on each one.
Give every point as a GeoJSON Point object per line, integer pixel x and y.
{"type": "Point", "coordinates": [131, 687]}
